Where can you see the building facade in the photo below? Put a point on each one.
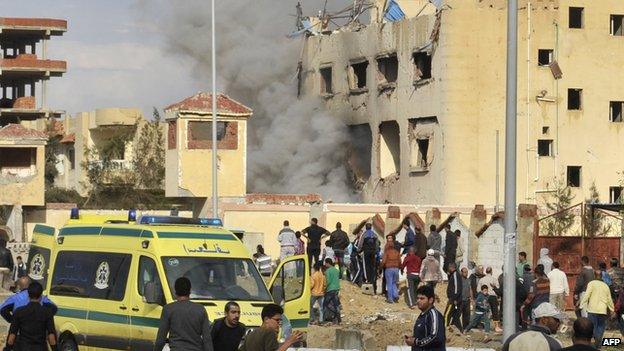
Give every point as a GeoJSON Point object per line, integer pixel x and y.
{"type": "Point", "coordinates": [188, 171]}
{"type": "Point", "coordinates": [425, 99]}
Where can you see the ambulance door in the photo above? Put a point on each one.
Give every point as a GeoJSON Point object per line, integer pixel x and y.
{"type": "Point", "coordinates": [290, 288]}
{"type": "Point", "coordinates": [147, 302]}
{"type": "Point", "coordinates": [38, 263]}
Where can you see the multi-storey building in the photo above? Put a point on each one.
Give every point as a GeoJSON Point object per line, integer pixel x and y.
{"type": "Point", "coordinates": [424, 98]}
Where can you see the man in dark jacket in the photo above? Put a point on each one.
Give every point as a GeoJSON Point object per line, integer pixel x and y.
{"type": "Point", "coordinates": [6, 265]}
{"type": "Point", "coordinates": [429, 333]}
{"type": "Point", "coordinates": [420, 242]}
{"type": "Point", "coordinates": [586, 276]}
{"type": "Point", "coordinates": [450, 247]}
{"type": "Point", "coordinates": [454, 295]}
{"type": "Point", "coordinates": [339, 240]}
{"type": "Point", "coordinates": [33, 324]}
{"type": "Point", "coordinates": [314, 233]}
{"type": "Point", "coordinates": [474, 280]}
{"type": "Point", "coordinates": [227, 332]}
{"type": "Point", "coordinates": [410, 237]}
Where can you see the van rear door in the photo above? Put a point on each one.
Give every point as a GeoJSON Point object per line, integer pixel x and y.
{"type": "Point", "coordinates": [290, 287]}
{"type": "Point", "coordinates": [38, 264]}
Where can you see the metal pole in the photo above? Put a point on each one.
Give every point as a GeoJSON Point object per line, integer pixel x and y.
{"type": "Point", "coordinates": [497, 206]}
{"type": "Point", "coordinates": [215, 194]}
{"type": "Point", "coordinates": [509, 293]}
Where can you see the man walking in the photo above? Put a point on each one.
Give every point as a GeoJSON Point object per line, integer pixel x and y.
{"type": "Point", "coordinates": [391, 263]}
{"type": "Point", "coordinates": [559, 287]}
{"type": "Point", "coordinates": [412, 263]}
{"type": "Point", "coordinates": [599, 305]}
{"type": "Point", "coordinates": [265, 337]}
{"type": "Point", "coordinates": [32, 324]}
{"type": "Point", "coordinates": [450, 248]}
{"type": "Point", "coordinates": [539, 292]}
{"type": "Point", "coordinates": [331, 302]}
{"type": "Point", "coordinates": [430, 270]}
{"type": "Point", "coordinates": [410, 237]}
{"type": "Point", "coordinates": [369, 246]}
{"type": "Point", "coordinates": [586, 276]}
{"type": "Point", "coordinates": [538, 337]}
{"type": "Point", "coordinates": [420, 243]}
{"type": "Point", "coordinates": [339, 241]}
{"type": "Point", "coordinates": [466, 297]}
{"type": "Point", "coordinates": [227, 332]}
{"type": "Point", "coordinates": [318, 285]}
{"type": "Point", "coordinates": [288, 241]}
{"type": "Point", "coordinates": [522, 261]}
{"type": "Point", "coordinates": [454, 295]}
{"type": "Point", "coordinates": [314, 233]}
{"type": "Point", "coordinates": [434, 241]}
{"type": "Point", "coordinates": [185, 322]}
{"type": "Point", "coordinates": [429, 333]}
{"type": "Point", "coordinates": [583, 332]}
{"type": "Point", "coordinates": [474, 280]}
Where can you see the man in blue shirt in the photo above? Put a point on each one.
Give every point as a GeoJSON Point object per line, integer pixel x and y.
{"type": "Point", "coordinates": [21, 299]}
{"type": "Point", "coordinates": [429, 333]}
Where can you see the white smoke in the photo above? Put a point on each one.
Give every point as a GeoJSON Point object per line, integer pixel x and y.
{"type": "Point", "coordinates": [295, 145]}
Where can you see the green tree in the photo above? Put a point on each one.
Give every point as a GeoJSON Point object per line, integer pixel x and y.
{"type": "Point", "coordinates": [149, 155]}
{"type": "Point", "coordinates": [595, 221]}
{"type": "Point", "coordinates": [560, 199]}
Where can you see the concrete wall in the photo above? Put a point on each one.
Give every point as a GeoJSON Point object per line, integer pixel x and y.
{"type": "Point", "coordinates": [491, 247]}
{"type": "Point", "coordinates": [467, 95]}
{"type": "Point", "coordinates": [27, 190]}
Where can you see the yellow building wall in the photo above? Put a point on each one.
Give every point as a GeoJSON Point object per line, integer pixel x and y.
{"type": "Point", "coordinates": [29, 192]}
{"type": "Point", "coordinates": [467, 95]}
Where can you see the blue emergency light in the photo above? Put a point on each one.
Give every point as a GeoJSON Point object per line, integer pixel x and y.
{"type": "Point", "coordinates": [132, 215]}
{"type": "Point", "coordinates": [181, 220]}
{"type": "Point", "coordinates": [74, 213]}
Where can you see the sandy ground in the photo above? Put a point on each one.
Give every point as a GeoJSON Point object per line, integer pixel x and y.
{"type": "Point", "coordinates": [387, 323]}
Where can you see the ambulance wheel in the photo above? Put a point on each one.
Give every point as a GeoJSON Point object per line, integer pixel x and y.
{"type": "Point", "coordinates": [68, 344]}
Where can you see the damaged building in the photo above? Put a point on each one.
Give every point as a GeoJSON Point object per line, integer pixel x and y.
{"type": "Point", "coordinates": [422, 87]}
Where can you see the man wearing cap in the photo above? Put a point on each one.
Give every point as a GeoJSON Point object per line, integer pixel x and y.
{"type": "Point", "coordinates": [538, 336]}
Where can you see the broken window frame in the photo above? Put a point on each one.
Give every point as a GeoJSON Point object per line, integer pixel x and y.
{"type": "Point", "coordinates": [352, 76]}
{"type": "Point", "coordinates": [579, 17]}
{"type": "Point", "coordinates": [618, 20]}
{"type": "Point", "coordinates": [18, 159]}
{"type": "Point", "coordinates": [395, 145]}
{"type": "Point", "coordinates": [620, 117]}
{"type": "Point", "coordinates": [545, 147]}
{"type": "Point", "coordinates": [571, 179]}
{"type": "Point", "coordinates": [386, 78]}
{"type": "Point", "coordinates": [323, 80]}
{"type": "Point", "coordinates": [545, 130]}
{"type": "Point", "coordinates": [575, 106]}
{"type": "Point", "coordinates": [551, 57]}
{"type": "Point", "coordinates": [419, 129]}
{"type": "Point", "coordinates": [71, 158]}
{"type": "Point", "coordinates": [420, 76]}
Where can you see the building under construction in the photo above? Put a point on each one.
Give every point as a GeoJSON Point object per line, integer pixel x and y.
{"type": "Point", "coordinates": [422, 87]}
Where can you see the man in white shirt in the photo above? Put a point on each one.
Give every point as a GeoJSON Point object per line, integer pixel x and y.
{"type": "Point", "coordinates": [288, 241]}
{"type": "Point", "coordinates": [559, 288]}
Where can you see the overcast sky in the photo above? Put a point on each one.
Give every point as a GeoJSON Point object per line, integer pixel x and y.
{"type": "Point", "coordinates": [115, 56]}
{"type": "Point", "coordinates": [113, 59]}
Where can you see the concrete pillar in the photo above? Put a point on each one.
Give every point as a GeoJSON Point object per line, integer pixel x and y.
{"type": "Point", "coordinates": [527, 216]}
{"type": "Point", "coordinates": [393, 219]}
{"type": "Point", "coordinates": [16, 223]}
{"type": "Point", "coordinates": [432, 217]}
{"type": "Point", "coordinates": [478, 218]}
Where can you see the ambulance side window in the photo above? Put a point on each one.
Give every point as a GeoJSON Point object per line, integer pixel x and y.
{"type": "Point", "coordinates": [147, 273]}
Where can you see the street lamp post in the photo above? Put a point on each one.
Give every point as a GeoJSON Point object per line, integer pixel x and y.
{"type": "Point", "coordinates": [509, 293]}
{"type": "Point", "coordinates": [215, 193]}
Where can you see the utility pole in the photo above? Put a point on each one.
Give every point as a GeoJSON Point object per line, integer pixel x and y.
{"type": "Point", "coordinates": [509, 293]}
{"type": "Point", "coordinates": [215, 193]}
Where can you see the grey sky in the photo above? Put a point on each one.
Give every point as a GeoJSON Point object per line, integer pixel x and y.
{"type": "Point", "coordinates": [115, 55]}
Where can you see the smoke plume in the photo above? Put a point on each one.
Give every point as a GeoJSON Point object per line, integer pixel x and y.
{"type": "Point", "coordinates": [295, 145]}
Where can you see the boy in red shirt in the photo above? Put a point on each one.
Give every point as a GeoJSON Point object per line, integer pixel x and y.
{"type": "Point", "coordinates": [411, 262]}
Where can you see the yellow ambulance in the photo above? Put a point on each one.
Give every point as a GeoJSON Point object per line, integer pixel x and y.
{"type": "Point", "coordinates": [111, 276]}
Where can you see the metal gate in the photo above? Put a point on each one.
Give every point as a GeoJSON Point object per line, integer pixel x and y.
{"type": "Point", "coordinates": [591, 230]}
